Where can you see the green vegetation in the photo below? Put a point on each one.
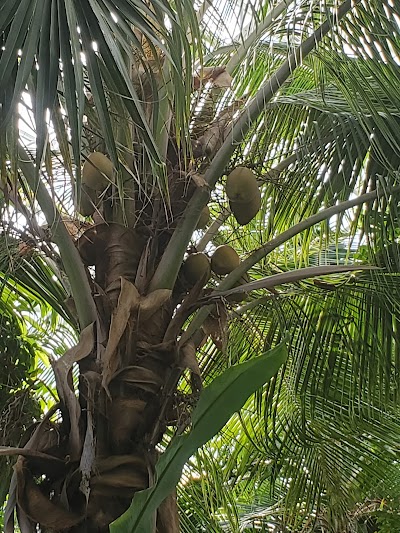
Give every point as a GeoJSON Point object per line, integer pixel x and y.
{"type": "Point", "coordinates": [199, 266]}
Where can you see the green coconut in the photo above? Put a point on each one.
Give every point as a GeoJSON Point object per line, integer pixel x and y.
{"type": "Point", "coordinates": [97, 171]}
{"type": "Point", "coordinates": [224, 260]}
{"type": "Point", "coordinates": [196, 268]}
{"type": "Point", "coordinates": [88, 201]}
{"type": "Point", "coordinates": [245, 212]}
{"type": "Point", "coordinates": [204, 218]}
{"type": "Point", "coordinates": [241, 185]}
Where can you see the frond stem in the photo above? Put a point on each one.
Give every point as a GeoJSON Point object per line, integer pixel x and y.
{"type": "Point", "coordinates": [70, 257]}
{"type": "Point", "coordinates": [241, 52]}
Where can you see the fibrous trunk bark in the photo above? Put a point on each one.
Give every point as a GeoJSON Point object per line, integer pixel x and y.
{"type": "Point", "coordinates": [102, 447]}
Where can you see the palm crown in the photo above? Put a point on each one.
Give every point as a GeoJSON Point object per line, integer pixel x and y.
{"type": "Point", "coordinates": [176, 97]}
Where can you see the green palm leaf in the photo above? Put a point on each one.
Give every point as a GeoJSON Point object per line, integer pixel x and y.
{"type": "Point", "coordinates": [310, 103]}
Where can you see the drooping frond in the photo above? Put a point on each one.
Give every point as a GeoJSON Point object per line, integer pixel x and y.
{"type": "Point", "coordinates": [82, 63]}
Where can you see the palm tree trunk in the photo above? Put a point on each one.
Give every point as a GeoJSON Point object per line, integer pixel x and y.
{"type": "Point", "coordinates": [108, 435]}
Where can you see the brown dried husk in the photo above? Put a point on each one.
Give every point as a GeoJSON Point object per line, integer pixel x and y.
{"type": "Point", "coordinates": [108, 426]}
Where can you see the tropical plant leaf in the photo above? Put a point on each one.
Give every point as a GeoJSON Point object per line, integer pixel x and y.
{"type": "Point", "coordinates": [216, 405]}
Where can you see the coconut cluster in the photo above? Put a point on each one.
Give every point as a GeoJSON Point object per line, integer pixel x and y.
{"type": "Point", "coordinates": [197, 268]}
{"type": "Point", "coordinates": [204, 218]}
{"type": "Point", "coordinates": [245, 201]}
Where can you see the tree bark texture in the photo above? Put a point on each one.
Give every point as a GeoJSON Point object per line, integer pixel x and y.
{"type": "Point", "coordinates": [101, 448]}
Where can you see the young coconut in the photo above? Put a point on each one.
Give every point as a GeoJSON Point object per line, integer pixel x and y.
{"type": "Point", "coordinates": [196, 268]}
{"type": "Point", "coordinates": [95, 171]}
{"type": "Point", "coordinates": [241, 185]}
{"type": "Point", "coordinates": [88, 201]}
{"type": "Point", "coordinates": [204, 218]}
{"type": "Point", "coordinates": [245, 212]}
{"type": "Point", "coordinates": [224, 260]}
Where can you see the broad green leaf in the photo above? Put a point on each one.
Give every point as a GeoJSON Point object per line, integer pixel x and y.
{"type": "Point", "coordinates": [217, 403]}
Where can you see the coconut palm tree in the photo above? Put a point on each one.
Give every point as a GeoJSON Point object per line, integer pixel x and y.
{"type": "Point", "coordinates": [121, 121]}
